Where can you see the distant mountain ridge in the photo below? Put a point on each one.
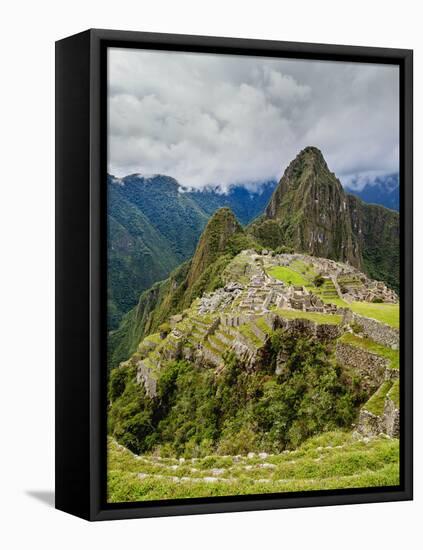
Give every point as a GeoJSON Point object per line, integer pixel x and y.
{"type": "Point", "coordinates": [383, 190]}
{"type": "Point", "coordinates": [154, 225]}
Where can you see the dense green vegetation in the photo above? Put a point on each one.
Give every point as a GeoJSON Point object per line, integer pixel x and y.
{"type": "Point", "coordinates": [331, 460]}
{"type": "Point", "coordinates": [197, 413]}
{"type": "Point", "coordinates": [377, 231]}
{"type": "Point", "coordinates": [267, 232]}
{"type": "Point", "coordinates": [154, 307]}
{"type": "Point", "coordinates": [138, 255]}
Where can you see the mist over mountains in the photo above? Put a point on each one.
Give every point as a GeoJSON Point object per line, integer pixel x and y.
{"type": "Point", "coordinates": [383, 190]}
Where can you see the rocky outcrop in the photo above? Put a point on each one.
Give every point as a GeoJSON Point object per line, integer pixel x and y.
{"type": "Point", "coordinates": [388, 423]}
{"type": "Point", "coordinates": [221, 227]}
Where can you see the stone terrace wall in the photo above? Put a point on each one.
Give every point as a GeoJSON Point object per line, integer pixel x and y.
{"type": "Point", "coordinates": [379, 332]}
{"type": "Point", "coordinates": [391, 418]}
{"type": "Point", "coordinates": [307, 327]}
{"type": "Point", "coordinates": [146, 378]}
{"type": "Point", "coordinates": [370, 424]}
{"type": "Point", "coordinates": [369, 366]}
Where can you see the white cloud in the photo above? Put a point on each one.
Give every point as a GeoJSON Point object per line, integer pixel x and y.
{"type": "Point", "coordinates": [221, 120]}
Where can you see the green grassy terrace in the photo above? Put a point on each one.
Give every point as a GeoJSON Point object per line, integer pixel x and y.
{"type": "Point", "coordinates": [332, 460]}
{"type": "Point", "coordinates": [385, 313]}
{"type": "Point", "coordinates": [373, 347]}
{"type": "Point", "coordinates": [248, 333]}
{"type": "Point", "coordinates": [288, 276]}
{"type": "Point", "coordinates": [376, 403]}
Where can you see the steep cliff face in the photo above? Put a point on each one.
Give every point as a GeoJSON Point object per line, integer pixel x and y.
{"type": "Point", "coordinates": [376, 230]}
{"type": "Point", "coordinates": [311, 209]}
{"type": "Point", "coordinates": [215, 238]}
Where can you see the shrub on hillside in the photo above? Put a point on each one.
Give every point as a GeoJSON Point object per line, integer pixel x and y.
{"type": "Point", "coordinates": [196, 413]}
{"type": "Point", "coordinates": [318, 280]}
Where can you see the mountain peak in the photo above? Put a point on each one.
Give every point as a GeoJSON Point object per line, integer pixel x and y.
{"type": "Point", "coordinates": [310, 158]}
{"type": "Point", "coordinates": [223, 214]}
{"type": "Point", "coordinates": [217, 235]}
{"type": "Point", "coordinates": [219, 229]}
{"type": "Point", "coordinates": [310, 207]}
{"type": "Point", "coordinates": [311, 151]}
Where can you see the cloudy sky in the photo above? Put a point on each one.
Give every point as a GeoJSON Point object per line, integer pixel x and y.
{"type": "Point", "coordinates": [214, 120]}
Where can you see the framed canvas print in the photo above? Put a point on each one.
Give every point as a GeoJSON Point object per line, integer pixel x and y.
{"type": "Point", "coordinates": [234, 274]}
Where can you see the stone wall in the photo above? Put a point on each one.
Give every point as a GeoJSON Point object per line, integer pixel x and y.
{"type": "Point", "coordinates": [239, 338]}
{"type": "Point", "coordinates": [377, 331]}
{"type": "Point", "coordinates": [388, 423]}
{"type": "Point", "coordinates": [213, 327]}
{"type": "Point", "coordinates": [391, 418]}
{"type": "Point", "coordinates": [369, 366]}
{"type": "Point", "coordinates": [147, 379]}
{"type": "Point", "coordinates": [306, 327]}
{"type": "Point", "coordinates": [369, 424]}
{"type": "Point", "coordinates": [258, 332]}
{"type": "Point", "coordinates": [210, 357]}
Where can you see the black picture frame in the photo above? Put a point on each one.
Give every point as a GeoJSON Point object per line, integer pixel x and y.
{"type": "Point", "coordinates": [81, 125]}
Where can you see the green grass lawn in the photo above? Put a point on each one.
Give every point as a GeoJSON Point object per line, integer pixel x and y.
{"type": "Point", "coordinates": [305, 268]}
{"type": "Point", "coordinates": [288, 276]}
{"type": "Point", "coordinates": [321, 318]}
{"type": "Point", "coordinates": [369, 345]}
{"type": "Point", "coordinates": [376, 403]}
{"type": "Point", "coordinates": [333, 460]}
{"type": "Point", "coordinates": [386, 313]}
